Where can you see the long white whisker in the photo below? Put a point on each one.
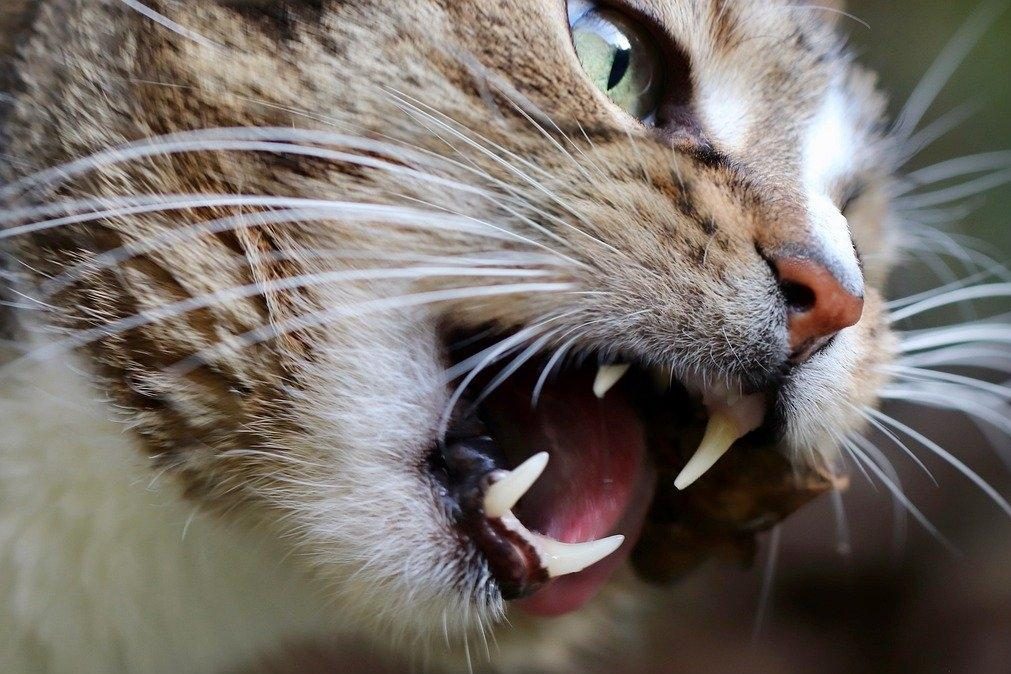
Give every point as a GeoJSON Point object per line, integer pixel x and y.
{"type": "Point", "coordinates": [344, 213]}
{"type": "Point", "coordinates": [768, 575]}
{"type": "Point", "coordinates": [182, 307]}
{"type": "Point", "coordinates": [934, 292]}
{"type": "Point", "coordinates": [556, 358]}
{"type": "Point", "coordinates": [960, 334]}
{"type": "Point", "coordinates": [898, 443]}
{"type": "Point", "coordinates": [955, 193]}
{"type": "Point", "coordinates": [915, 373]}
{"type": "Point", "coordinates": [990, 290]}
{"type": "Point", "coordinates": [990, 358]}
{"type": "Point", "coordinates": [515, 365]}
{"type": "Point", "coordinates": [490, 356]}
{"type": "Point", "coordinates": [940, 127]}
{"type": "Point", "coordinates": [318, 319]}
{"type": "Point", "coordinates": [956, 168]}
{"type": "Point", "coordinates": [272, 140]}
{"type": "Point", "coordinates": [901, 496]}
{"type": "Point", "coordinates": [945, 65]}
{"type": "Point", "coordinates": [168, 23]}
{"type": "Point", "coordinates": [844, 545]}
{"type": "Point", "coordinates": [948, 457]}
{"type": "Point", "coordinates": [934, 397]}
{"type": "Point", "coordinates": [899, 530]}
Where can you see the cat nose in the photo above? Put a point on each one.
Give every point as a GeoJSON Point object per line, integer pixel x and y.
{"type": "Point", "coordinates": [819, 305]}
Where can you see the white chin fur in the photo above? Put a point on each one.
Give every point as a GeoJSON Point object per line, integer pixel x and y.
{"type": "Point", "coordinates": [104, 569]}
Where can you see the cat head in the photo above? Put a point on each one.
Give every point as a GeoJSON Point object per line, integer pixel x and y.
{"type": "Point", "coordinates": [349, 264]}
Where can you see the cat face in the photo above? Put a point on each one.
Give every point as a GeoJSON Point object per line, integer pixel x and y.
{"type": "Point", "coordinates": [374, 253]}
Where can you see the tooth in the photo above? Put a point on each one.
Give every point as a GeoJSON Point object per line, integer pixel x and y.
{"type": "Point", "coordinates": [731, 417]}
{"type": "Point", "coordinates": [721, 432]}
{"type": "Point", "coordinates": [564, 558]}
{"type": "Point", "coordinates": [607, 377]}
{"type": "Point", "coordinates": [505, 492]}
{"type": "Point", "coordinates": [559, 558]}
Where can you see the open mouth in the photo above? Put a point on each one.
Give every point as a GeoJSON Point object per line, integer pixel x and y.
{"type": "Point", "coordinates": [560, 480]}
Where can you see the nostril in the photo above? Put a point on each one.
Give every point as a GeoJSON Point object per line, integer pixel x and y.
{"type": "Point", "coordinates": [799, 297]}
{"type": "Point", "coordinates": [818, 304]}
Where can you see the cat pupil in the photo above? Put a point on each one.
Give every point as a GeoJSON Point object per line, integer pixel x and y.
{"type": "Point", "coordinates": [619, 67]}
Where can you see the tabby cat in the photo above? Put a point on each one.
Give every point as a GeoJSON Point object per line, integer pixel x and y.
{"type": "Point", "coordinates": [403, 320]}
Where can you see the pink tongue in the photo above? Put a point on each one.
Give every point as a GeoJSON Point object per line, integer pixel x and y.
{"type": "Point", "coordinates": [598, 481]}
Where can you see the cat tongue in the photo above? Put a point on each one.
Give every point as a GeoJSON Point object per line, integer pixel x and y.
{"type": "Point", "coordinates": [598, 481]}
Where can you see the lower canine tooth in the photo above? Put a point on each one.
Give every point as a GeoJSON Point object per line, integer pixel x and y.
{"type": "Point", "coordinates": [721, 432]}
{"type": "Point", "coordinates": [505, 492]}
{"type": "Point", "coordinates": [607, 377]}
{"type": "Point", "coordinates": [563, 558]}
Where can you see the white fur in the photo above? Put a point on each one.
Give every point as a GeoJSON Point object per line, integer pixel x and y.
{"type": "Point", "coordinates": [103, 569]}
{"type": "Point", "coordinates": [828, 158]}
{"type": "Point", "coordinates": [726, 109]}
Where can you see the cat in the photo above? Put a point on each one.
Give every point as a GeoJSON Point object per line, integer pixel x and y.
{"type": "Point", "coordinates": [399, 319]}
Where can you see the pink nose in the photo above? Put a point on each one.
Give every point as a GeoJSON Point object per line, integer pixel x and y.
{"type": "Point", "coordinates": [819, 305]}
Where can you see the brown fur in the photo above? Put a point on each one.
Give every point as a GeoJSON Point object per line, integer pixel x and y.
{"type": "Point", "coordinates": [658, 235]}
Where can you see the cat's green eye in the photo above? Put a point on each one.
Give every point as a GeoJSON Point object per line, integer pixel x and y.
{"type": "Point", "coordinates": [619, 56]}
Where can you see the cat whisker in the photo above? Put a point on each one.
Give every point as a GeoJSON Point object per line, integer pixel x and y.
{"type": "Point", "coordinates": [171, 25]}
{"type": "Point", "coordinates": [406, 102]}
{"type": "Point", "coordinates": [922, 340]}
{"type": "Point", "coordinates": [969, 281]}
{"type": "Point", "coordinates": [947, 457]}
{"type": "Point", "coordinates": [896, 441]}
{"type": "Point", "coordinates": [517, 362]}
{"type": "Point", "coordinates": [958, 192]}
{"type": "Point", "coordinates": [894, 486]}
{"type": "Point", "coordinates": [556, 358]}
{"type": "Point", "coordinates": [273, 140]}
{"type": "Point", "coordinates": [477, 364]}
{"type": "Point", "coordinates": [990, 358]}
{"type": "Point", "coordinates": [986, 291]}
{"type": "Point", "coordinates": [923, 139]}
{"type": "Point", "coordinates": [943, 216]}
{"type": "Point", "coordinates": [864, 459]}
{"type": "Point", "coordinates": [945, 66]}
{"type": "Point", "coordinates": [346, 214]}
{"type": "Point", "coordinates": [959, 400]}
{"type": "Point", "coordinates": [321, 318]}
{"type": "Point", "coordinates": [920, 374]}
{"type": "Point", "coordinates": [189, 305]}
{"type": "Point", "coordinates": [959, 167]}
{"type": "Point", "coordinates": [824, 8]}
{"type": "Point", "coordinates": [973, 253]}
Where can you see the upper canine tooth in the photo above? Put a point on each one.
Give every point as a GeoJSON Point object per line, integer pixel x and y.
{"type": "Point", "coordinates": [729, 420]}
{"type": "Point", "coordinates": [563, 558]}
{"type": "Point", "coordinates": [607, 377]}
{"type": "Point", "coordinates": [505, 492]}
{"type": "Point", "coordinates": [721, 432]}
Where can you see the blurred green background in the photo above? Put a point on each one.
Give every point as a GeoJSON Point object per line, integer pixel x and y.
{"type": "Point", "coordinates": [903, 38]}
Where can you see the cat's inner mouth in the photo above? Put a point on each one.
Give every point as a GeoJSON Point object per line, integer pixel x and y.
{"type": "Point", "coordinates": [559, 480]}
